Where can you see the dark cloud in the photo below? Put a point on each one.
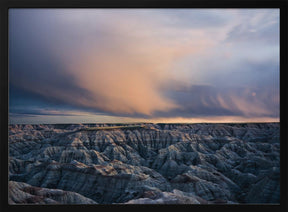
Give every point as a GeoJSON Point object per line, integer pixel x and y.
{"type": "Point", "coordinates": [125, 63]}
{"type": "Point", "coordinates": [207, 101]}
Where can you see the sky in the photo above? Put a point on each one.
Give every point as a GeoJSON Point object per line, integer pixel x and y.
{"type": "Point", "coordinates": [143, 65]}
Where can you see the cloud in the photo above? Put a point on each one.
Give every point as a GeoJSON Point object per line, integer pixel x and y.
{"type": "Point", "coordinates": [207, 101]}
{"type": "Point", "coordinates": [111, 68]}
{"type": "Point", "coordinates": [260, 27]}
{"type": "Point", "coordinates": [129, 78]}
{"type": "Point", "coordinates": [146, 63]}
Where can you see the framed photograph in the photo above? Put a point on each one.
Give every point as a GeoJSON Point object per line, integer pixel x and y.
{"type": "Point", "coordinates": [144, 105]}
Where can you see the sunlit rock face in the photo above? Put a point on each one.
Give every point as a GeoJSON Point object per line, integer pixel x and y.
{"type": "Point", "coordinates": [144, 163]}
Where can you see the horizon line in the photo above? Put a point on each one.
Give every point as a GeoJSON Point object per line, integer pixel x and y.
{"type": "Point", "coordinates": [235, 122]}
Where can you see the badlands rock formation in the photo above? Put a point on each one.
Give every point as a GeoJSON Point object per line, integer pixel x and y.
{"type": "Point", "coordinates": [23, 193]}
{"type": "Point", "coordinates": [144, 163]}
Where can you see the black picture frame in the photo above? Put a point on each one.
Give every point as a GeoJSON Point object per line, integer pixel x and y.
{"type": "Point", "coordinates": [6, 4]}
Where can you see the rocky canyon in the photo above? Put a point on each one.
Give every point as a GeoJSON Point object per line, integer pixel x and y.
{"type": "Point", "coordinates": [205, 163]}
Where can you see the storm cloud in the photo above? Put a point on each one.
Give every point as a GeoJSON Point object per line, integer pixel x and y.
{"type": "Point", "coordinates": [144, 63]}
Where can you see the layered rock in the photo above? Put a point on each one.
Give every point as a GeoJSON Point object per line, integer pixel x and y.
{"type": "Point", "coordinates": [23, 193]}
{"type": "Point", "coordinates": [202, 163]}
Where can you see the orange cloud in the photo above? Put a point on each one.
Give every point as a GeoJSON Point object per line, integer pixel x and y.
{"type": "Point", "coordinates": [248, 107]}
{"type": "Point", "coordinates": [129, 74]}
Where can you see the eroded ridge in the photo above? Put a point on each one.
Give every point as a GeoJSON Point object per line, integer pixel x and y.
{"type": "Point", "coordinates": [144, 163]}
